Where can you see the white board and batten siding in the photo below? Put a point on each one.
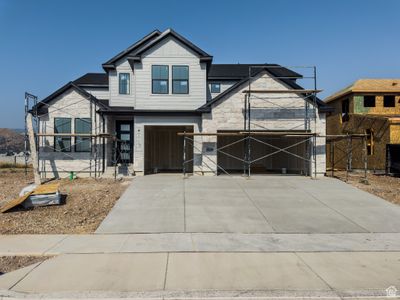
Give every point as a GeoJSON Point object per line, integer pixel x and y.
{"type": "Point", "coordinates": [117, 99]}
{"type": "Point", "coordinates": [168, 52]}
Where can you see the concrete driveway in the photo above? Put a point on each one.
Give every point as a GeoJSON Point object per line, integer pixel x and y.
{"type": "Point", "coordinates": [262, 204]}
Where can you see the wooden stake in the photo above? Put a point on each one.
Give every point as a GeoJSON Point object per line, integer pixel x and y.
{"type": "Point", "coordinates": [32, 143]}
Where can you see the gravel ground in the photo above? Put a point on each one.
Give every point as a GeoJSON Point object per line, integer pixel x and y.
{"type": "Point", "coordinates": [386, 187]}
{"type": "Point", "coordinates": [12, 263]}
{"type": "Point", "coordinates": [87, 202]}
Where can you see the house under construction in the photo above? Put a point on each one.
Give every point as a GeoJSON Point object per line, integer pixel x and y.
{"type": "Point", "coordinates": [162, 106]}
{"type": "Point", "coordinates": [369, 107]}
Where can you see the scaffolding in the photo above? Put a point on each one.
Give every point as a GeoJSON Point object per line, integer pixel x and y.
{"type": "Point", "coordinates": [95, 164]}
{"type": "Point", "coordinates": [347, 153]}
{"type": "Point", "coordinates": [249, 134]}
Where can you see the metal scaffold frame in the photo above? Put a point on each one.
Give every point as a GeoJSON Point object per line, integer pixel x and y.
{"type": "Point", "coordinates": [347, 153]}
{"type": "Point", "coordinates": [249, 134]}
{"type": "Point", "coordinates": [98, 137]}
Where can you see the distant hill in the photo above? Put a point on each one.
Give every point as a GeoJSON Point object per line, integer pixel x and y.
{"type": "Point", "coordinates": [11, 140]}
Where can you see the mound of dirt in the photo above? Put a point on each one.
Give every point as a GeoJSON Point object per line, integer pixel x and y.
{"type": "Point", "coordinates": [87, 203]}
{"type": "Point", "coordinates": [11, 140]}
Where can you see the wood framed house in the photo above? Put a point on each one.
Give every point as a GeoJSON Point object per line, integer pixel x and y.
{"type": "Point", "coordinates": [370, 107]}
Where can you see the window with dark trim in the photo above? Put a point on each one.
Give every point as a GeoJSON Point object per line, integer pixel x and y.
{"type": "Point", "coordinates": [389, 101]}
{"type": "Point", "coordinates": [215, 88]}
{"type": "Point", "coordinates": [159, 79]}
{"type": "Point", "coordinates": [63, 126]}
{"type": "Point", "coordinates": [369, 101]}
{"type": "Point", "coordinates": [345, 110]}
{"type": "Point", "coordinates": [124, 82]}
{"type": "Point", "coordinates": [83, 126]}
{"type": "Point", "coordinates": [180, 80]}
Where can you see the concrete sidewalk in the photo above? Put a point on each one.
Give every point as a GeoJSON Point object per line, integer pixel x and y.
{"type": "Point", "coordinates": [207, 275]}
{"type": "Point", "coordinates": [196, 242]}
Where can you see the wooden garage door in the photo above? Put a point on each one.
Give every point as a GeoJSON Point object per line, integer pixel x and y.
{"type": "Point", "coordinates": [164, 149]}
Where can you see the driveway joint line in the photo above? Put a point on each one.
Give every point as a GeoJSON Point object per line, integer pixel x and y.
{"type": "Point", "coordinates": [123, 243]}
{"type": "Point", "coordinates": [56, 244]}
{"type": "Point", "coordinates": [166, 272]}
{"type": "Point", "coordinates": [23, 277]}
{"type": "Point", "coordinates": [256, 206]}
{"type": "Point", "coordinates": [316, 274]}
{"type": "Point", "coordinates": [336, 211]}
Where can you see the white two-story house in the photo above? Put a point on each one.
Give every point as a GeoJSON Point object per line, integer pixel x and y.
{"type": "Point", "coordinates": [162, 85]}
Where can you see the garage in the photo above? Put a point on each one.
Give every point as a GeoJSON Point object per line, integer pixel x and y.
{"type": "Point", "coordinates": [231, 146]}
{"type": "Point", "coordinates": [164, 149]}
{"type": "Point", "coordinates": [393, 159]}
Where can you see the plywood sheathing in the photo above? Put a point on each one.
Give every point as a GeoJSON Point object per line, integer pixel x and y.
{"type": "Point", "coordinates": [368, 86]}
{"type": "Point", "coordinates": [358, 123]}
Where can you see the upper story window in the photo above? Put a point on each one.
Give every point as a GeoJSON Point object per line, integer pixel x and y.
{"type": "Point", "coordinates": [345, 110]}
{"type": "Point", "coordinates": [389, 101]}
{"type": "Point", "coordinates": [83, 126]}
{"type": "Point", "coordinates": [159, 79]}
{"type": "Point", "coordinates": [124, 79]}
{"type": "Point", "coordinates": [369, 101]}
{"type": "Point", "coordinates": [215, 88]}
{"type": "Point", "coordinates": [63, 126]}
{"type": "Point", "coordinates": [180, 79]}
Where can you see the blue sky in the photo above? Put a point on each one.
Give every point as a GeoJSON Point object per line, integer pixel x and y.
{"type": "Point", "coordinates": [45, 44]}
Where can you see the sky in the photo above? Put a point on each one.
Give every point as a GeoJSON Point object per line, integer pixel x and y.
{"type": "Point", "coordinates": [46, 43]}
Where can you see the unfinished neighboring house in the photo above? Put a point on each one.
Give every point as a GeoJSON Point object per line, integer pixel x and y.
{"type": "Point", "coordinates": [163, 85]}
{"type": "Point", "coordinates": [370, 107]}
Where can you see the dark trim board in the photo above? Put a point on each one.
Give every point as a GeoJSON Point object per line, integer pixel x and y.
{"type": "Point", "coordinates": [166, 113]}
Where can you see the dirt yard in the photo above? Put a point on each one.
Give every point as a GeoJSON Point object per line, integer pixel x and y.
{"type": "Point", "coordinates": [12, 263]}
{"type": "Point", "coordinates": [87, 202]}
{"type": "Point", "coordinates": [386, 187]}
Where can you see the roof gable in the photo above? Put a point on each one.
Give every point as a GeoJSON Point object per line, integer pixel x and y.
{"type": "Point", "coordinates": [368, 86]}
{"type": "Point", "coordinates": [277, 76]}
{"type": "Point", "coordinates": [110, 64]}
{"type": "Point", "coordinates": [134, 52]}
{"type": "Point", "coordinates": [171, 33]}
{"type": "Point", "coordinates": [70, 85]}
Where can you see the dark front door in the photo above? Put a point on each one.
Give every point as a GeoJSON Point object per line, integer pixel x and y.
{"type": "Point", "coordinates": [125, 141]}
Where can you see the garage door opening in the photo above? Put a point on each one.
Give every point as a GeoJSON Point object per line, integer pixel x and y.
{"type": "Point", "coordinates": [164, 149]}
{"type": "Point", "coordinates": [267, 154]}
{"type": "Point", "coordinates": [393, 159]}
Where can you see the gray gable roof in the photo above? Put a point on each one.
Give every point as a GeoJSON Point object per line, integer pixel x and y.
{"type": "Point", "coordinates": [146, 39]}
{"type": "Point", "coordinates": [240, 71]}
{"type": "Point", "coordinates": [289, 82]}
{"type": "Point", "coordinates": [134, 52]}
{"type": "Point", "coordinates": [92, 79]}
{"type": "Point", "coordinates": [170, 32]}
{"type": "Point", "coordinates": [42, 105]}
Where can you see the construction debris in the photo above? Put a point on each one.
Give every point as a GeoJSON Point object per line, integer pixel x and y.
{"type": "Point", "coordinates": [44, 194]}
{"type": "Point", "coordinates": [85, 203]}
